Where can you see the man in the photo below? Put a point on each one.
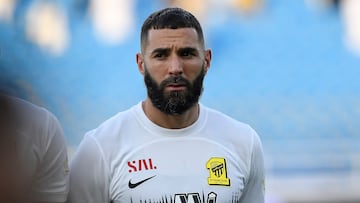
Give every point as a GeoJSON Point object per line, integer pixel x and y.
{"type": "Point", "coordinates": [169, 148]}
{"type": "Point", "coordinates": [33, 153]}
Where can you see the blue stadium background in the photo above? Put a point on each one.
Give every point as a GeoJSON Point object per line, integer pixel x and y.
{"type": "Point", "coordinates": [286, 72]}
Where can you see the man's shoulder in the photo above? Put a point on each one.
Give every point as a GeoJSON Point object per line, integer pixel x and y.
{"type": "Point", "coordinates": [29, 118]}
{"type": "Point", "coordinates": [229, 127]}
{"type": "Point", "coordinates": [222, 118]}
{"type": "Point", "coordinates": [21, 107]}
{"type": "Point", "coordinates": [112, 135]}
{"type": "Point", "coordinates": [114, 124]}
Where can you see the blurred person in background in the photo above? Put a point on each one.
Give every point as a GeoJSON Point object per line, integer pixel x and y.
{"type": "Point", "coordinates": [169, 147]}
{"type": "Point", "coordinates": [33, 155]}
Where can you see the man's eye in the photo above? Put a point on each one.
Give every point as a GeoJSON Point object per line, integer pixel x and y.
{"type": "Point", "coordinates": [159, 55]}
{"type": "Point", "coordinates": [187, 53]}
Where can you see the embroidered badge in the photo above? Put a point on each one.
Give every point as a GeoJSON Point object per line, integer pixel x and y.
{"type": "Point", "coordinates": [218, 172]}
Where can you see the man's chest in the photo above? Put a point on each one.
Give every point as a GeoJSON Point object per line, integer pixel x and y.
{"type": "Point", "coordinates": [178, 173]}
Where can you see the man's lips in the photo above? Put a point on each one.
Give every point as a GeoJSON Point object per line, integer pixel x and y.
{"type": "Point", "coordinates": [175, 87]}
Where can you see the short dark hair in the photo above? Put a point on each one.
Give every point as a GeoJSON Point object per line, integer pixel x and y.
{"type": "Point", "coordinates": [171, 18]}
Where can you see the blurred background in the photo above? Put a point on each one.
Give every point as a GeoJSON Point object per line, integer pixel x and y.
{"type": "Point", "coordinates": [288, 68]}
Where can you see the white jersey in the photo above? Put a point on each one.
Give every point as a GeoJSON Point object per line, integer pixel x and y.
{"type": "Point", "coordinates": [128, 159]}
{"type": "Point", "coordinates": [35, 149]}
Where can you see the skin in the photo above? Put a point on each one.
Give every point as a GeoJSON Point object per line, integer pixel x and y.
{"type": "Point", "coordinates": [171, 52]}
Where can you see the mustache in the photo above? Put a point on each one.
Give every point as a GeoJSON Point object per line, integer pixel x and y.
{"type": "Point", "coordinates": [174, 80]}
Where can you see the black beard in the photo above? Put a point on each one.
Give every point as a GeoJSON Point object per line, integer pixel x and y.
{"type": "Point", "coordinates": [175, 102]}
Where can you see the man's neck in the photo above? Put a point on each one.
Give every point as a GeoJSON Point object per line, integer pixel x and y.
{"type": "Point", "coordinates": [168, 120]}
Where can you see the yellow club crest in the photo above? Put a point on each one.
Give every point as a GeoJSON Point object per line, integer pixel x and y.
{"type": "Point", "coordinates": [218, 172]}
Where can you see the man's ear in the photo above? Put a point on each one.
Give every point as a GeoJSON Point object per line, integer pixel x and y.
{"type": "Point", "coordinates": [207, 59]}
{"type": "Point", "coordinates": [140, 63]}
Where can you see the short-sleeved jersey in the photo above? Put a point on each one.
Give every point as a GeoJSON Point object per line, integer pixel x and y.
{"type": "Point", "coordinates": [35, 153]}
{"type": "Point", "coordinates": [128, 159]}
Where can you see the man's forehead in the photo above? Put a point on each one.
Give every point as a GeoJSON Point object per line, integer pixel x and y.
{"type": "Point", "coordinates": [165, 38]}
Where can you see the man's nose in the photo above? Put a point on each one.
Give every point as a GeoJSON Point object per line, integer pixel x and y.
{"type": "Point", "coordinates": [175, 66]}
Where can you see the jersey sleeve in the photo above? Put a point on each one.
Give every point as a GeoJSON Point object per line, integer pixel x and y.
{"type": "Point", "coordinates": [254, 191]}
{"type": "Point", "coordinates": [88, 174]}
{"type": "Point", "coordinates": [51, 182]}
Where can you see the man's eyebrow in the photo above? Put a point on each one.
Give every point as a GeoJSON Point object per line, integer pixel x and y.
{"type": "Point", "coordinates": [160, 50]}
{"type": "Point", "coordinates": [167, 50]}
{"type": "Point", "coordinates": [188, 49]}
